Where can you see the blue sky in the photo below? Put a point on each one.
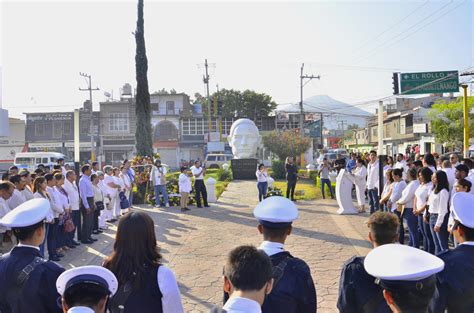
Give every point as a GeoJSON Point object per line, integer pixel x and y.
{"type": "Point", "coordinates": [353, 45]}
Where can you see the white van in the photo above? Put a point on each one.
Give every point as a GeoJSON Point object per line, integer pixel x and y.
{"type": "Point", "coordinates": [31, 160]}
{"type": "Point", "coordinates": [216, 160]}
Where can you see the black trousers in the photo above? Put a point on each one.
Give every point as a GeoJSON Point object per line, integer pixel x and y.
{"type": "Point", "coordinates": [52, 238]}
{"type": "Point", "coordinates": [87, 219]}
{"type": "Point", "coordinates": [290, 188]}
{"type": "Point", "coordinates": [76, 218]}
{"type": "Point", "coordinates": [200, 190]}
{"type": "Point", "coordinates": [96, 219]}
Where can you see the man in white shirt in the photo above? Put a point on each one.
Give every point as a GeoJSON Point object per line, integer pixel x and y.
{"type": "Point", "coordinates": [74, 201]}
{"type": "Point", "coordinates": [247, 279]}
{"type": "Point", "coordinates": [57, 207]}
{"type": "Point", "coordinates": [63, 168]}
{"type": "Point", "coordinates": [199, 186]}
{"type": "Point", "coordinates": [17, 198]}
{"type": "Point", "coordinates": [6, 191]}
{"type": "Point", "coordinates": [373, 182]}
{"type": "Point", "coordinates": [397, 188]}
{"type": "Point", "coordinates": [27, 192]}
{"type": "Point", "coordinates": [454, 160]}
{"type": "Point", "coordinates": [450, 173]}
{"type": "Point", "coordinates": [401, 164]}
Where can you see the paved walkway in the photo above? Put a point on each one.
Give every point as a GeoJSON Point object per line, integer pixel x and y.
{"type": "Point", "coordinates": [195, 244]}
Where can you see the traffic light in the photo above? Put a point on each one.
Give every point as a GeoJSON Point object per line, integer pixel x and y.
{"type": "Point", "coordinates": [220, 104]}
{"type": "Point", "coordinates": [396, 89]}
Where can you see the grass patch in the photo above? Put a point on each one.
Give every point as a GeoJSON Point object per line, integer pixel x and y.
{"type": "Point", "coordinates": [311, 191]}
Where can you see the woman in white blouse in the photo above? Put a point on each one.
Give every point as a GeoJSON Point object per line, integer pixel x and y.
{"type": "Point", "coordinates": [137, 264]}
{"type": "Point", "coordinates": [387, 190]}
{"type": "Point", "coordinates": [114, 188]}
{"type": "Point", "coordinates": [184, 184]}
{"type": "Point", "coordinates": [406, 202]}
{"type": "Point", "coordinates": [438, 209]}
{"type": "Point", "coordinates": [127, 184]}
{"type": "Point", "coordinates": [118, 181]}
{"type": "Point", "coordinates": [360, 174]}
{"type": "Point", "coordinates": [420, 204]}
{"type": "Point", "coordinates": [262, 181]}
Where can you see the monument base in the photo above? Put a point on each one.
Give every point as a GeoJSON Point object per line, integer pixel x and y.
{"type": "Point", "coordinates": [244, 168]}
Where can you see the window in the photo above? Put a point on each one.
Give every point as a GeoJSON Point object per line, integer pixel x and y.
{"type": "Point", "coordinates": [24, 161]}
{"type": "Point", "coordinates": [67, 128]}
{"type": "Point", "coordinates": [170, 108]}
{"type": "Point", "coordinates": [57, 129]}
{"type": "Point", "coordinates": [155, 107]}
{"type": "Point", "coordinates": [39, 129]}
{"type": "Point", "coordinates": [118, 122]}
{"type": "Point", "coordinates": [45, 160]}
{"type": "Point", "coordinates": [211, 158]}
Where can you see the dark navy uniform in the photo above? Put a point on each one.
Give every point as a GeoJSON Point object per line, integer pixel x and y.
{"type": "Point", "coordinates": [455, 284]}
{"type": "Point", "coordinates": [39, 294]}
{"type": "Point", "coordinates": [358, 292]}
{"type": "Point", "coordinates": [294, 291]}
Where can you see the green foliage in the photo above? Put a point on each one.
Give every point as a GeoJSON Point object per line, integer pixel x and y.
{"type": "Point", "coordinates": [278, 169]}
{"type": "Point", "coordinates": [236, 103]}
{"type": "Point", "coordinates": [286, 143]}
{"type": "Point", "coordinates": [313, 174]}
{"type": "Point", "coordinates": [224, 175]}
{"type": "Point", "coordinates": [447, 122]}
{"type": "Point", "coordinates": [143, 132]}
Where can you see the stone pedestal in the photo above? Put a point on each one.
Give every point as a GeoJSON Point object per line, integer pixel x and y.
{"type": "Point", "coordinates": [244, 168]}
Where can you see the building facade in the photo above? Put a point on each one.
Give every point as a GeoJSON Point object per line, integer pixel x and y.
{"type": "Point", "coordinates": [12, 144]}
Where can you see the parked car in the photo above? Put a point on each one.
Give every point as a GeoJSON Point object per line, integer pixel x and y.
{"type": "Point", "coordinates": [216, 160]}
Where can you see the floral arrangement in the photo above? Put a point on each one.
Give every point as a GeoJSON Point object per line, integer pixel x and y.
{"type": "Point", "coordinates": [273, 191]}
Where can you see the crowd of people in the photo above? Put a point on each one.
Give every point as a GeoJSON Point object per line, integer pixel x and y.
{"type": "Point", "coordinates": [392, 278]}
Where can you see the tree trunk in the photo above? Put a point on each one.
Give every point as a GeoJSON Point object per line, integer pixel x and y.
{"type": "Point", "coordinates": [143, 133]}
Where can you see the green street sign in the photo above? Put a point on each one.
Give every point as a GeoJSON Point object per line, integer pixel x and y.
{"type": "Point", "coordinates": [429, 82]}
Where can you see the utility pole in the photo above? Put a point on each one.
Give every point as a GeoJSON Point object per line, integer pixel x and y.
{"type": "Point", "coordinates": [302, 84]}
{"type": "Point", "coordinates": [219, 117]}
{"type": "Point", "coordinates": [205, 79]}
{"type": "Point", "coordinates": [466, 122]}
{"type": "Point", "coordinates": [90, 89]}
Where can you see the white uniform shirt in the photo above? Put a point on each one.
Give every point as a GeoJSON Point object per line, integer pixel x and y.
{"type": "Point", "coordinates": [80, 309]}
{"type": "Point", "coordinates": [439, 205]}
{"type": "Point", "coordinates": [261, 176]}
{"type": "Point", "coordinates": [56, 203]}
{"type": "Point", "coordinates": [373, 175]}
{"type": "Point", "coordinates": [451, 176]}
{"type": "Point", "coordinates": [397, 190]}
{"type": "Point", "coordinates": [4, 209]}
{"type": "Point", "coordinates": [184, 183]}
{"type": "Point", "coordinates": [195, 170]}
{"type": "Point", "coordinates": [72, 194]}
{"type": "Point", "coordinates": [64, 199]}
{"type": "Point", "coordinates": [408, 194]}
{"type": "Point", "coordinates": [158, 173]}
{"type": "Point", "coordinates": [16, 199]}
{"type": "Point", "coordinates": [171, 299]}
{"type": "Point", "coordinates": [242, 305]}
{"type": "Point", "coordinates": [403, 166]}
{"type": "Point", "coordinates": [271, 248]}
{"type": "Point", "coordinates": [422, 193]}
{"type": "Point", "coordinates": [360, 174]}
{"type": "Point", "coordinates": [111, 191]}
{"type": "Point", "coordinates": [126, 181]}
{"type": "Point", "coordinates": [27, 193]}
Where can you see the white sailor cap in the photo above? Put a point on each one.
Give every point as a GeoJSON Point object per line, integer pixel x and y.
{"type": "Point", "coordinates": [462, 208]}
{"type": "Point", "coordinates": [276, 212]}
{"type": "Point", "coordinates": [397, 266]}
{"type": "Point", "coordinates": [90, 274]}
{"type": "Point", "coordinates": [26, 214]}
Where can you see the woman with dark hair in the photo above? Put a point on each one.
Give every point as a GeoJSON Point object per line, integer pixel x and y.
{"type": "Point", "coordinates": [262, 183]}
{"type": "Point", "coordinates": [438, 211]}
{"type": "Point", "coordinates": [145, 285]}
{"type": "Point", "coordinates": [405, 206]}
{"type": "Point", "coordinates": [420, 205]}
{"type": "Point", "coordinates": [387, 190]}
{"type": "Point", "coordinates": [291, 177]}
{"type": "Point", "coordinates": [39, 191]}
{"type": "Point", "coordinates": [430, 162]}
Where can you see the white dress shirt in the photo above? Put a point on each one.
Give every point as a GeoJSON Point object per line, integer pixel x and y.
{"type": "Point", "coordinates": [242, 305]}
{"type": "Point", "coordinates": [80, 309]}
{"type": "Point", "coordinates": [195, 170]}
{"type": "Point", "coordinates": [64, 199]}
{"type": "Point", "coordinates": [261, 176]}
{"type": "Point", "coordinates": [373, 175]}
{"type": "Point", "coordinates": [72, 194]}
{"type": "Point", "coordinates": [422, 193]}
{"type": "Point", "coordinates": [451, 176]}
{"type": "Point", "coordinates": [439, 205]}
{"type": "Point", "coordinates": [16, 199]}
{"type": "Point", "coordinates": [184, 183]}
{"type": "Point", "coordinates": [56, 203]}
{"type": "Point", "coordinates": [171, 299]}
{"type": "Point", "coordinates": [271, 248]}
{"type": "Point", "coordinates": [360, 174]}
{"type": "Point", "coordinates": [403, 166]}
{"type": "Point", "coordinates": [107, 180]}
{"type": "Point", "coordinates": [397, 190]}
{"type": "Point", "coordinates": [408, 194]}
{"type": "Point", "coordinates": [27, 193]}
{"type": "Point", "coordinates": [4, 209]}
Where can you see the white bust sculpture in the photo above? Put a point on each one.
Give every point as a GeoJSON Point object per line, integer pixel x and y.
{"type": "Point", "coordinates": [244, 139]}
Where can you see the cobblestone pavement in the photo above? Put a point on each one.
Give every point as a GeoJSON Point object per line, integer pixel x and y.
{"type": "Point", "coordinates": [195, 244]}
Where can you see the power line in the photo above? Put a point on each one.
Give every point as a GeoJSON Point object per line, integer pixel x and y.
{"type": "Point", "coordinates": [393, 26]}
{"type": "Point", "coordinates": [371, 52]}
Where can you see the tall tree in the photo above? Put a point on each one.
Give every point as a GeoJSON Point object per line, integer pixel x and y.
{"type": "Point", "coordinates": [447, 122]}
{"type": "Point", "coordinates": [144, 144]}
{"type": "Point", "coordinates": [286, 143]}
